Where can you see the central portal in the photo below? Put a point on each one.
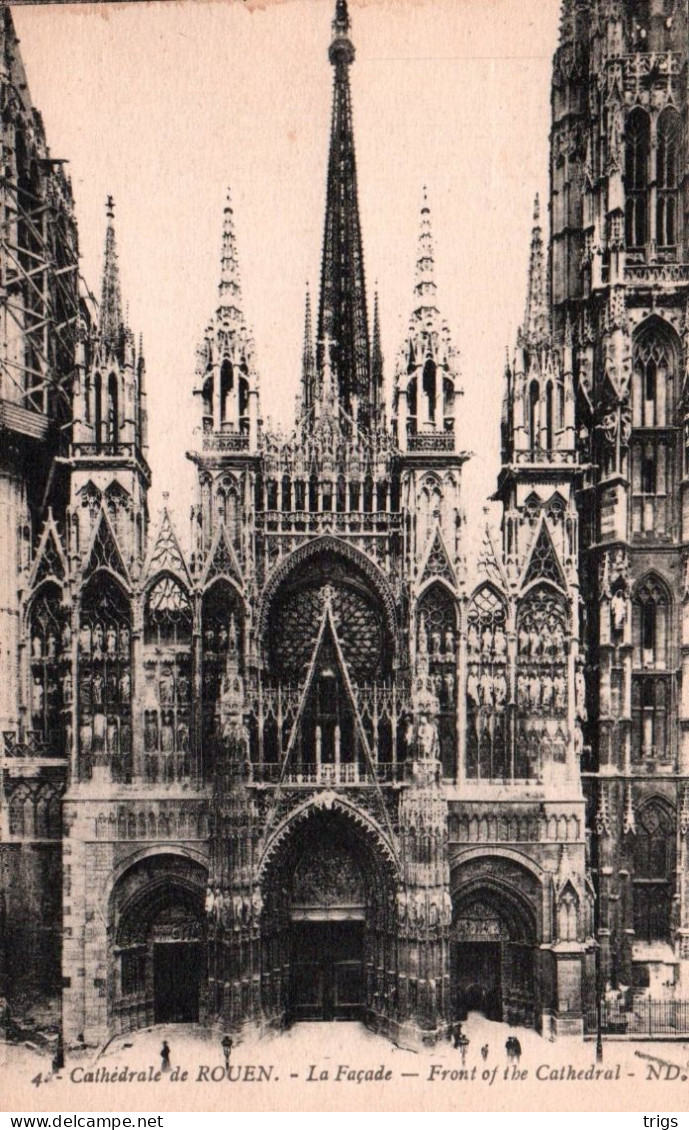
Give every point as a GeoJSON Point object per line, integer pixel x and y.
{"type": "Point", "coordinates": [327, 980]}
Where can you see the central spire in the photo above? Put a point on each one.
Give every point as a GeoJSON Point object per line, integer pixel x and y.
{"type": "Point", "coordinates": [111, 320]}
{"type": "Point", "coordinates": [342, 317]}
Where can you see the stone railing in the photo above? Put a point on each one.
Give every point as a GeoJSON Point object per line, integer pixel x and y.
{"type": "Point", "coordinates": [433, 442]}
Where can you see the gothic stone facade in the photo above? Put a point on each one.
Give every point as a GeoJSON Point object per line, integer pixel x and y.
{"type": "Point", "coordinates": [319, 764]}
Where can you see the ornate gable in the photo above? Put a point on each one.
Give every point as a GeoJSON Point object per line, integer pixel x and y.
{"type": "Point", "coordinates": [166, 553]}
{"type": "Point", "coordinates": [50, 561]}
{"type": "Point", "coordinates": [437, 563]}
{"type": "Point", "coordinates": [222, 560]}
{"type": "Point", "coordinates": [105, 552]}
{"type": "Point", "coordinates": [543, 562]}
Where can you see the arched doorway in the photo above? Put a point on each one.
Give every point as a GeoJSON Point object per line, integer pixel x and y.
{"type": "Point", "coordinates": [158, 956]}
{"type": "Point", "coordinates": [493, 942]}
{"type": "Point", "coordinates": [328, 923]}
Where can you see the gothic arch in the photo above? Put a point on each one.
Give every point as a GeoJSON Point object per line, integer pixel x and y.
{"type": "Point", "coordinates": [359, 821]}
{"type": "Point", "coordinates": [326, 543]}
{"type": "Point", "coordinates": [153, 854]}
{"type": "Point", "coordinates": [510, 904]}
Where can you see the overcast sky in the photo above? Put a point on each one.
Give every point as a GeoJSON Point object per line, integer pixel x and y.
{"type": "Point", "coordinates": [165, 104]}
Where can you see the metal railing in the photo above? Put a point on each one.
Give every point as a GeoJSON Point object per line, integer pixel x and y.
{"type": "Point", "coordinates": [642, 1017]}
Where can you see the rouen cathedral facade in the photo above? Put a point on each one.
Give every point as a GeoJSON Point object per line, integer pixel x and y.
{"type": "Point", "coordinates": [318, 763]}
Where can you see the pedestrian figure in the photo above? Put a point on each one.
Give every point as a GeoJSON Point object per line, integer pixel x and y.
{"type": "Point", "coordinates": [457, 1034]}
{"type": "Point", "coordinates": [165, 1056]}
{"type": "Point", "coordinates": [226, 1045]}
{"type": "Point", "coordinates": [517, 1048]}
{"type": "Point", "coordinates": [484, 1052]}
{"type": "Point", "coordinates": [463, 1045]}
{"type": "Point", "coordinates": [509, 1047]}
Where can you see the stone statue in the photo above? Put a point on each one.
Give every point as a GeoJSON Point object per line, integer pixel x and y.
{"type": "Point", "coordinates": [428, 738]}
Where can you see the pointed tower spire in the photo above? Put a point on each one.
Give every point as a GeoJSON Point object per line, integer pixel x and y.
{"type": "Point", "coordinates": [230, 288]}
{"type": "Point", "coordinates": [342, 316]}
{"type": "Point", "coordinates": [536, 327]}
{"type": "Point", "coordinates": [308, 367]}
{"type": "Point", "coordinates": [111, 320]}
{"type": "Point", "coordinates": [377, 363]}
{"type": "Point", "coordinates": [425, 288]}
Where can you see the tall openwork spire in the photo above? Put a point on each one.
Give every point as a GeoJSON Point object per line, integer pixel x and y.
{"type": "Point", "coordinates": [111, 319]}
{"type": "Point", "coordinates": [342, 317]}
{"type": "Point", "coordinates": [377, 364]}
{"type": "Point", "coordinates": [230, 288]}
{"type": "Point", "coordinates": [308, 362]}
{"type": "Point", "coordinates": [536, 327]}
{"type": "Point", "coordinates": [425, 288]}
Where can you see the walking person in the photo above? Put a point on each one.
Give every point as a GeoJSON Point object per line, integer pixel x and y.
{"type": "Point", "coordinates": [517, 1048]}
{"type": "Point", "coordinates": [484, 1052]}
{"type": "Point", "coordinates": [165, 1056]}
{"type": "Point", "coordinates": [226, 1044]}
{"type": "Point", "coordinates": [463, 1045]}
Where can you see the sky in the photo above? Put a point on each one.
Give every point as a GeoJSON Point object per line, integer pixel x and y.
{"type": "Point", "coordinates": [165, 105]}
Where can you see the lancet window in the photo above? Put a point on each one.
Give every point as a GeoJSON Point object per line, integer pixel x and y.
{"type": "Point", "coordinates": [541, 689]}
{"type": "Point", "coordinates": [50, 668]}
{"type": "Point", "coordinates": [437, 644]}
{"type": "Point", "coordinates": [167, 682]}
{"type": "Point", "coordinates": [650, 621]}
{"type": "Point", "coordinates": [668, 146]}
{"type": "Point", "coordinates": [654, 868]}
{"type": "Point", "coordinates": [637, 155]}
{"type": "Point", "coordinates": [487, 688]}
{"type": "Point", "coordinates": [105, 679]}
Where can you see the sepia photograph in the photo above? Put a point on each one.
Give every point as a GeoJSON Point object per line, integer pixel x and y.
{"type": "Point", "coordinates": [344, 569]}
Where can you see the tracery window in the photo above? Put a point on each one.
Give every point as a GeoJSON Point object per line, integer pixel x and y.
{"type": "Point", "coordinates": [51, 667]}
{"type": "Point", "coordinates": [437, 640]}
{"type": "Point", "coordinates": [167, 687]}
{"type": "Point", "coordinates": [650, 622]}
{"type": "Point", "coordinates": [651, 703]}
{"type": "Point", "coordinates": [105, 679]}
{"type": "Point", "coordinates": [654, 868]}
{"type": "Point", "coordinates": [667, 178]}
{"type": "Point", "coordinates": [487, 688]}
{"type": "Point", "coordinates": [541, 683]}
{"type": "Point", "coordinates": [653, 384]}
{"type": "Point", "coordinates": [636, 177]}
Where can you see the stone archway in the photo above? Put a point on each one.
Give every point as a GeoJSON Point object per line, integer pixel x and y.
{"type": "Point", "coordinates": [494, 946]}
{"type": "Point", "coordinates": [328, 924]}
{"type": "Point", "coordinates": [158, 958]}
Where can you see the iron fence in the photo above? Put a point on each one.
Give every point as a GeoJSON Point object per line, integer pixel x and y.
{"type": "Point", "coordinates": [643, 1017]}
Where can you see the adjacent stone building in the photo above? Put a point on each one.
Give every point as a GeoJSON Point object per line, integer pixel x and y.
{"type": "Point", "coordinates": [317, 764]}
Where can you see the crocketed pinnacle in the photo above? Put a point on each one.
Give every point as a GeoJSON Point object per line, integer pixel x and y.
{"type": "Point", "coordinates": [111, 320]}
{"type": "Point", "coordinates": [535, 329]}
{"type": "Point", "coordinates": [229, 290]}
{"type": "Point", "coordinates": [425, 287]}
{"type": "Point", "coordinates": [342, 315]}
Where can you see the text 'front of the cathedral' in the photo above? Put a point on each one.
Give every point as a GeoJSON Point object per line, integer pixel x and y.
{"type": "Point", "coordinates": [314, 763]}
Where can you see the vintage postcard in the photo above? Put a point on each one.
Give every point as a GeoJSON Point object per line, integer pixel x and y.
{"type": "Point", "coordinates": [344, 481]}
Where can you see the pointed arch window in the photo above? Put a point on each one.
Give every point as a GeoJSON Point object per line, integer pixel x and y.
{"type": "Point", "coordinates": [487, 688]}
{"type": "Point", "coordinates": [50, 668]}
{"type": "Point", "coordinates": [667, 178]}
{"type": "Point", "coordinates": [227, 392]}
{"type": "Point", "coordinates": [654, 872]}
{"type": "Point", "coordinates": [430, 391]}
{"type": "Point", "coordinates": [167, 681]}
{"type": "Point", "coordinates": [654, 360]}
{"type": "Point", "coordinates": [650, 623]}
{"type": "Point", "coordinates": [549, 417]}
{"type": "Point", "coordinates": [534, 416]}
{"type": "Point", "coordinates": [105, 679]}
{"type": "Point", "coordinates": [636, 177]}
{"type": "Point", "coordinates": [98, 409]}
{"type": "Point", "coordinates": [113, 419]}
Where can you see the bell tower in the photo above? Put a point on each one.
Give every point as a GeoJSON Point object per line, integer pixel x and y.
{"type": "Point", "coordinates": [620, 290]}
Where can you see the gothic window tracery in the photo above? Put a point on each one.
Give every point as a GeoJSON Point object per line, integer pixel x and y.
{"type": "Point", "coordinates": [167, 687]}
{"type": "Point", "coordinates": [436, 621]}
{"type": "Point", "coordinates": [637, 156]}
{"type": "Point", "coordinates": [669, 135]}
{"type": "Point", "coordinates": [223, 649]}
{"type": "Point", "coordinates": [654, 869]}
{"type": "Point", "coordinates": [105, 678]}
{"type": "Point", "coordinates": [487, 687]}
{"type": "Point", "coordinates": [50, 667]}
{"type": "Point", "coordinates": [541, 687]}
{"type": "Point", "coordinates": [650, 623]}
